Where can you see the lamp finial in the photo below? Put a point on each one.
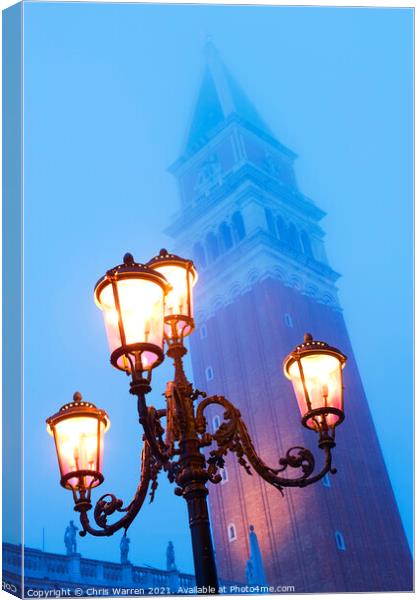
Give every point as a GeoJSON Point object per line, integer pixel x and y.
{"type": "Point", "coordinates": [128, 259]}
{"type": "Point", "coordinates": [77, 397]}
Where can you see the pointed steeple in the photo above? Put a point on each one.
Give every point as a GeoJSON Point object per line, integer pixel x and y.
{"type": "Point", "coordinates": [239, 193]}
{"type": "Point", "coordinates": [219, 99]}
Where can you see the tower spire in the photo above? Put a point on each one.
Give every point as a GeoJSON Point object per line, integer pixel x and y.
{"type": "Point", "coordinates": [220, 77]}
{"type": "Point", "coordinates": [219, 99]}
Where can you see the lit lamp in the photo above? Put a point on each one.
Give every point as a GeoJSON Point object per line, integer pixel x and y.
{"type": "Point", "coordinates": [315, 369]}
{"type": "Point", "coordinates": [78, 429]}
{"type": "Point", "coordinates": [131, 297]}
{"type": "Point", "coordinates": [181, 276]}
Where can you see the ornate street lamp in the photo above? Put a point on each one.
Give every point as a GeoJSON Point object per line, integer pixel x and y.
{"type": "Point", "coordinates": [144, 307]}
{"type": "Point", "coordinates": [181, 276]}
{"type": "Point", "coordinates": [78, 429]}
{"type": "Point", "coordinates": [315, 369]}
{"type": "Point", "coordinates": [131, 297]}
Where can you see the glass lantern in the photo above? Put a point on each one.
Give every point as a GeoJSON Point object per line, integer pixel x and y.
{"type": "Point", "coordinates": [131, 297]}
{"type": "Point", "coordinates": [78, 430]}
{"type": "Point", "coordinates": [181, 275]}
{"type": "Point", "coordinates": [315, 369]}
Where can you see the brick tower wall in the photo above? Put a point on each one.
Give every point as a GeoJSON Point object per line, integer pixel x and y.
{"type": "Point", "coordinates": [245, 344]}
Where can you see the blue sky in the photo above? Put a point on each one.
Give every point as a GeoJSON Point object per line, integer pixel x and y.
{"type": "Point", "coordinates": [109, 91]}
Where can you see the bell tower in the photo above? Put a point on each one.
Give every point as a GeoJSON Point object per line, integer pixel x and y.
{"type": "Point", "coordinates": [264, 280]}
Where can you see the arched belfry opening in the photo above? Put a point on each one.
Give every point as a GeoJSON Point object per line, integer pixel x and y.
{"type": "Point", "coordinates": [225, 236]}
{"type": "Point", "coordinates": [238, 226]}
{"type": "Point", "coordinates": [212, 246]}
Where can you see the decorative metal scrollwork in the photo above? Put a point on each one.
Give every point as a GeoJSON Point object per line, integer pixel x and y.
{"type": "Point", "coordinates": [304, 460]}
{"type": "Point", "coordinates": [106, 507]}
{"type": "Point", "coordinates": [232, 435]}
{"type": "Point", "coordinates": [109, 504]}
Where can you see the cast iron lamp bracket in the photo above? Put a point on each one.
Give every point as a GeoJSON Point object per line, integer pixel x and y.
{"type": "Point", "coordinates": [147, 307]}
{"type": "Point", "coordinates": [176, 449]}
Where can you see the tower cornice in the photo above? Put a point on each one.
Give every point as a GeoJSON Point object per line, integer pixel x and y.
{"type": "Point", "coordinates": [187, 158]}
{"type": "Point", "coordinates": [255, 259]}
{"type": "Point", "coordinates": [246, 175]}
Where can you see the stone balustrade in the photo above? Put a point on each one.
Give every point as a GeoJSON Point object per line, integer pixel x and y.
{"type": "Point", "coordinates": [45, 570]}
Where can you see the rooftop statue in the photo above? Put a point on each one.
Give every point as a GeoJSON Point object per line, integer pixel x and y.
{"type": "Point", "coordinates": [70, 538]}
{"type": "Point", "coordinates": [170, 558]}
{"type": "Point", "coordinates": [124, 548]}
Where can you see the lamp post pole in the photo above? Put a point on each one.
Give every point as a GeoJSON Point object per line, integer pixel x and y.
{"type": "Point", "coordinates": [191, 475]}
{"type": "Point", "coordinates": [192, 480]}
{"type": "Point", "coordinates": [138, 321]}
{"type": "Point", "coordinates": [202, 543]}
